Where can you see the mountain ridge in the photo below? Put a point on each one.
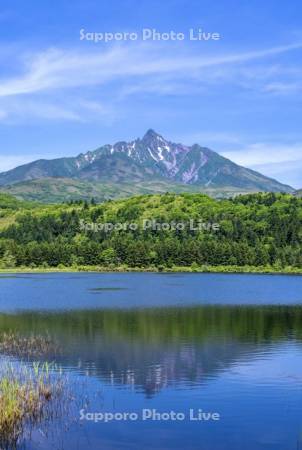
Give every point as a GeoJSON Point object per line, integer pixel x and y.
{"type": "Point", "coordinates": [150, 158]}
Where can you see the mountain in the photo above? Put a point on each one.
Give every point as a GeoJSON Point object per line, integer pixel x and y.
{"type": "Point", "coordinates": [150, 159]}
{"type": "Point", "coordinates": [58, 190]}
{"type": "Point", "coordinates": [298, 193]}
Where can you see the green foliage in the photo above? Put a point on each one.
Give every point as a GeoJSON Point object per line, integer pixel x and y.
{"type": "Point", "coordinates": [108, 256]}
{"type": "Point", "coordinates": [8, 261]}
{"type": "Point", "coordinates": [9, 202]}
{"type": "Point", "coordinates": [259, 230]}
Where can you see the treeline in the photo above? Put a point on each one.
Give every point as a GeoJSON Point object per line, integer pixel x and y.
{"type": "Point", "coordinates": [254, 230]}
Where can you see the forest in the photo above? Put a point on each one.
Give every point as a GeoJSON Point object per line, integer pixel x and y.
{"type": "Point", "coordinates": [256, 230]}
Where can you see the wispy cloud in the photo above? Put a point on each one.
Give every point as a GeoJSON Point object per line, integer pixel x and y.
{"type": "Point", "coordinates": [78, 84]}
{"type": "Point", "coordinates": [266, 153]}
{"type": "Point", "coordinates": [15, 110]}
{"type": "Point", "coordinates": [57, 69]}
{"type": "Point", "coordinates": [283, 87]}
{"type": "Point", "coordinates": [288, 172]}
{"type": "Point", "coordinates": [280, 161]}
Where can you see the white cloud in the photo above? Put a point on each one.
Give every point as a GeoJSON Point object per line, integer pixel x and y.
{"type": "Point", "coordinates": [283, 162]}
{"type": "Point", "coordinates": [16, 111]}
{"type": "Point", "coordinates": [289, 172]}
{"type": "Point", "coordinates": [57, 84]}
{"type": "Point", "coordinates": [283, 87]}
{"type": "Point", "coordinates": [265, 153]}
{"type": "Point", "coordinates": [40, 110]}
{"type": "Point", "coordinates": [57, 69]}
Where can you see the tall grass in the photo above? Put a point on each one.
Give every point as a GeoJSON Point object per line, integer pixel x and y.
{"type": "Point", "coordinates": [27, 346]}
{"type": "Point", "coordinates": [29, 393]}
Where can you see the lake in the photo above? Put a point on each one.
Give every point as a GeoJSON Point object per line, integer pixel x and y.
{"type": "Point", "coordinates": [226, 347]}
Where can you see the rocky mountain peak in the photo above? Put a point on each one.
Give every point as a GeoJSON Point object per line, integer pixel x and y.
{"type": "Point", "coordinates": [151, 135]}
{"type": "Point", "coordinates": [147, 157]}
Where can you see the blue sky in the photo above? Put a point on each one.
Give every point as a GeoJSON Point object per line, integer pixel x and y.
{"type": "Point", "coordinates": [239, 95]}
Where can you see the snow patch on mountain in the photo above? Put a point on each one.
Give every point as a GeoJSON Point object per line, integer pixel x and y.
{"type": "Point", "coordinates": [189, 174]}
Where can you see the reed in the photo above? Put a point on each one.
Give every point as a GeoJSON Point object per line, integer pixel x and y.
{"type": "Point", "coordinates": [28, 395]}
{"type": "Point", "coordinates": [27, 346]}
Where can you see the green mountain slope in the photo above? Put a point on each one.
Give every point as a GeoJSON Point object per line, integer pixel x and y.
{"type": "Point", "coordinates": [10, 206]}
{"type": "Point", "coordinates": [59, 190]}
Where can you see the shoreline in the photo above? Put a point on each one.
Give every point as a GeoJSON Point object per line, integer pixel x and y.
{"type": "Point", "coordinates": [175, 269]}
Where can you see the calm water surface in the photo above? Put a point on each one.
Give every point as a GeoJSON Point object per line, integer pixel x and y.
{"type": "Point", "coordinates": [230, 344]}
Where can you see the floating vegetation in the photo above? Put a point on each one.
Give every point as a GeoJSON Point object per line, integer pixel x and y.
{"type": "Point", "coordinates": [29, 394]}
{"type": "Point", "coordinates": [27, 346]}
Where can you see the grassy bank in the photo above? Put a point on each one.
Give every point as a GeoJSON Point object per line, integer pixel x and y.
{"type": "Point", "coordinates": [159, 269]}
